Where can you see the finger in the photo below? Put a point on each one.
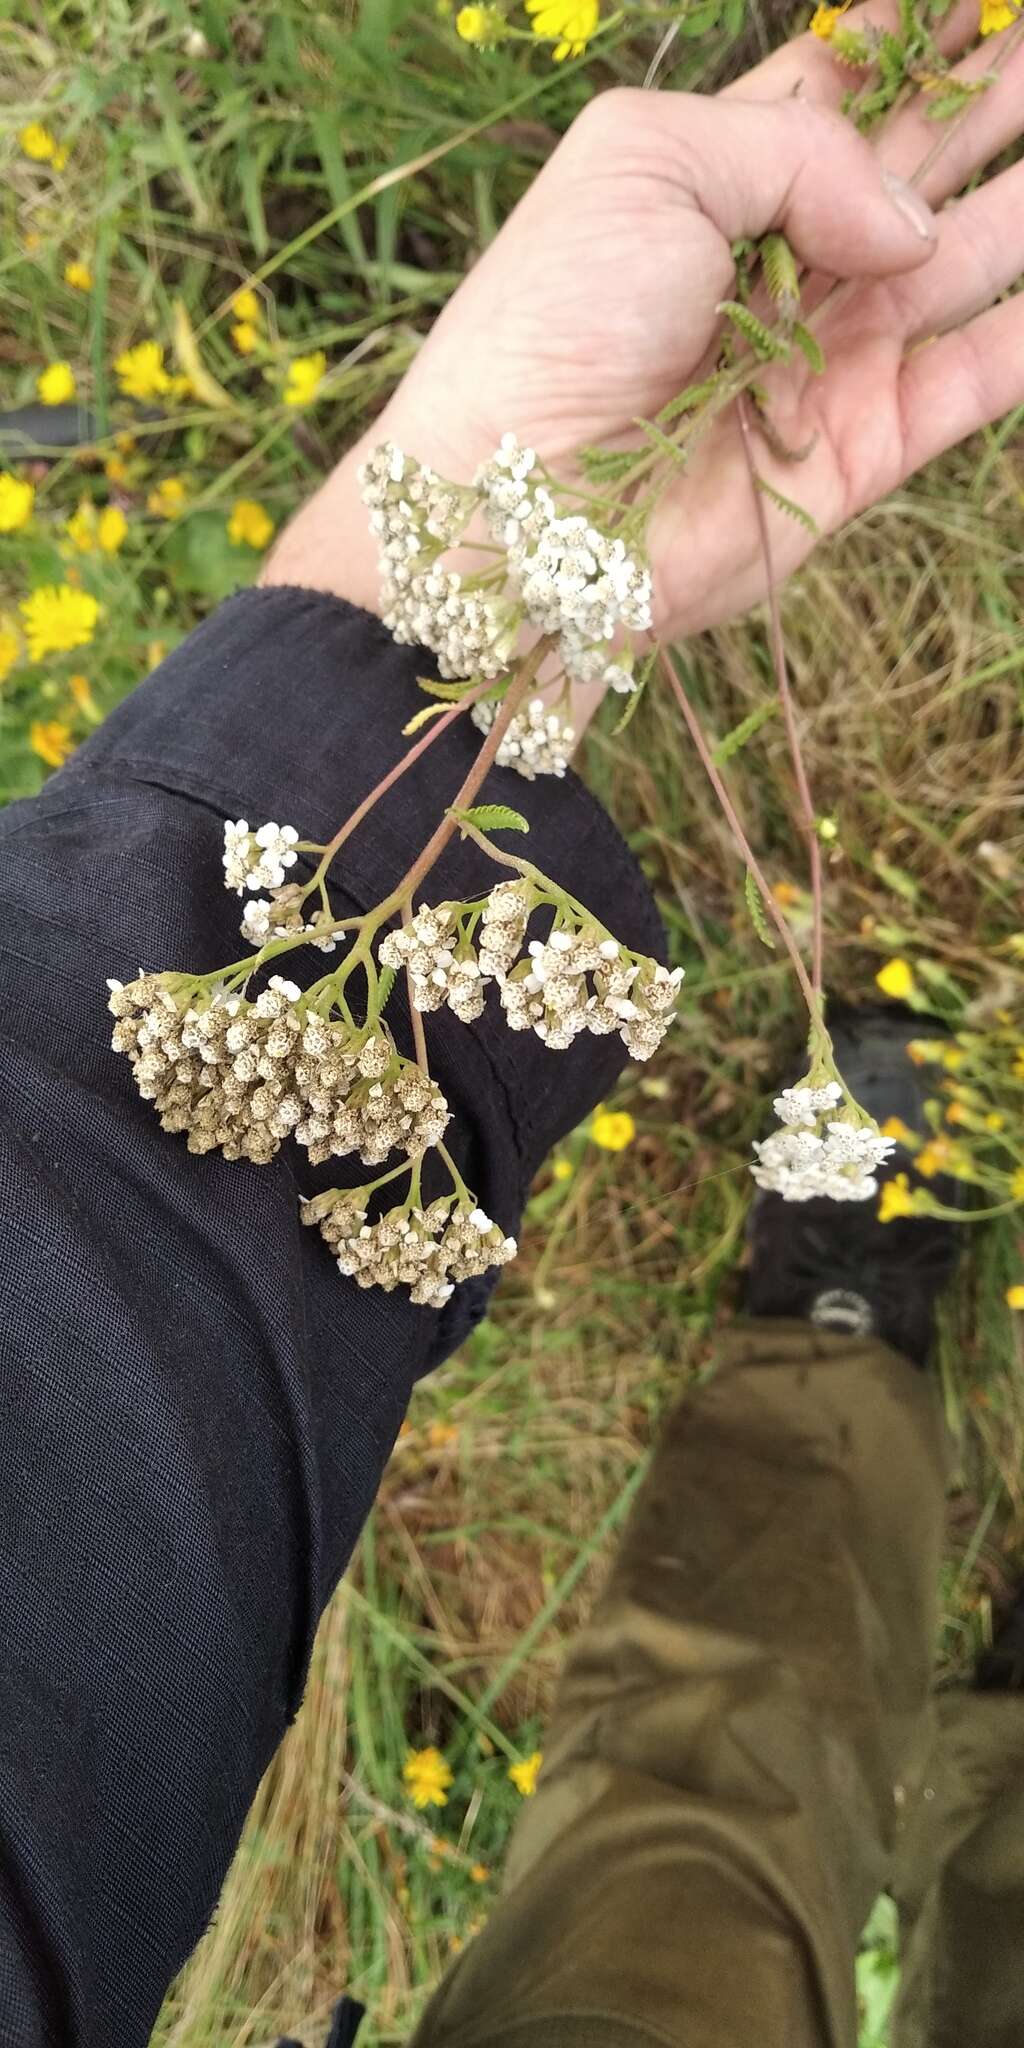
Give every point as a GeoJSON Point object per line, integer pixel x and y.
{"type": "Point", "coordinates": [965, 381]}
{"type": "Point", "coordinates": [808, 62]}
{"type": "Point", "coordinates": [980, 255]}
{"type": "Point", "coordinates": [753, 167]}
{"type": "Point", "coordinates": [994, 122]}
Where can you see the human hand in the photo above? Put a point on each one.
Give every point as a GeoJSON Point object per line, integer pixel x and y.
{"type": "Point", "coordinates": [597, 303]}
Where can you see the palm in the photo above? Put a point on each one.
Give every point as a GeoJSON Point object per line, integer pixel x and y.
{"type": "Point", "coordinates": [597, 303]}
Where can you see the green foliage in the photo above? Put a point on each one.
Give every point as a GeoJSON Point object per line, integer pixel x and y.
{"type": "Point", "coordinates": [781, 274]}
{"type": "Point", "coordinates": [788, 505]}
{"type": "Point", "coordinates": [758, 916]}
{"type": "Point", "coordinates": [493, 818]}
{"type": "Point", "coordinates": [768, 346]}
{"type": "Point", "coordinates": [748, 727]}
{"type": "Point", "coordinates": [809, 346]}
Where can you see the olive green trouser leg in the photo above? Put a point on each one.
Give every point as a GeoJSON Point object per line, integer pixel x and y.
{"type": "Point", "coordinates": [960, 1879]}
{"type": "Point", "coordinates": [716, 1812]}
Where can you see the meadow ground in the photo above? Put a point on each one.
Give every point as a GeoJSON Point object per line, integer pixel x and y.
{"type": "Point", "coordinates": [211, 144]}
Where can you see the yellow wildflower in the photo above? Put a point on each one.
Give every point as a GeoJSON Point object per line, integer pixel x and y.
{"type": "Point", "coordinates": [167, 500]}
{"type": "Point", "coordinates": [141, 371]}
{"type": "Point", "coordinates": [1018, 1064]}
{"type": "Point", "coordinates": [957, 1114]}
{"type": "Point", "coordinates": [60, 156]}
{"type": "Point", "coordinates": [897, 1199]}
{"type": "Point", "coordinates": [38, 143]}
{"type": "Point", "coordinates": [245, 337]}
{"type": "Point", "coordinates": [51, 740]}
{"type": "Point", "coordinates": [81, 528]}
{"type": "Point", "coordinates": [115, 469]}
{"type": "Point", "coordinates": [484, 26]}
{"type": "Point", "coordinates": [1016, 1184]}
{"type": "Point", "coordinates": [84, 699]}
{"type": "Point", "coordinates": [111, 529]}
{"type": "Point", "coordinates": [894, 1127]}
{"type": "Point", "coordinates": [249, 525]}
{"type": "Point", "coordinates": [56, 384]}
{"type": "Point", "coordinates": [16, 500]}
{"type": "Point", "coordinates": [954, 1058]}
{"type": "Point", "coordinates": [1015, 1296]}
{"type": "Point", "coordinates": [786, 894]}
{"type": "Point", "coordinates": [427, 1777]}
{"type": "Point", "coordinates": [997, 15]}
{"type": "Point", "coordinates": [78, 276]}
{"type": "Point", "coordinates": [562, 1169]}
{"type": "Point", "coordinates": [995, 1122]}
{"type": "Point", "coordinates": [479, 1873]}
{"type": "Point", "coordinates": [574, 21]}
{"type": "Point", "coordinates": [940, 1155]}
{"type": "Point", "coordinates": [245, 305]}
{"type": "Point", "coordinates": [824, 19]}
{"type": "Point", "coordinates": [58, 618]}
{"type": "Point", "coordinates": [10, 645]}
{"type": "Point", "coordinates": [896, 979]}
{"type": "Point", "coordinates": [305, 376]}
{"type": "Point", "coordinates": [524, 1775]}
{"type": "Point", "coordinates": [155, 653]}
{"type": "Point", "coordinates": [613, 1130]}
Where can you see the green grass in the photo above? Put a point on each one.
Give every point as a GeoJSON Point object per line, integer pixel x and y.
{"type": "Point", "coordinates": [280, 153]}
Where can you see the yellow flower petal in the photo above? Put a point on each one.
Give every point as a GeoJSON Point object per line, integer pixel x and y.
{"type": "Point", "coordinates": [81, 528]}
{"type": "Point", "coordinates": [1017, 1185]}
{"type": "Point", "coordinates": [562, 1169]}
{"type": "Point", "coordinates": [484, 26]}
{"type": "Point", "coordinates": [250, 525]}
{"type": "Point", "coordinates": [78, 276]}
{"type": "Point", "coordinates": [896, 1200]}
{"type": "Point", "coordinates": [305, 375]}
{"type": "Point", "coordinates": [245, 305]}
{"type": "Point", "coordinates": [57, 618]}
{"type": "Point", "coordinates": [10, 645]}
{"type": "Point", "coordinates": [38, 143]}
{"type": "Point", "coordinates": [56, 384]}
{"type": "Point", "coordinates": [84, 699]}
{"type": "Point", "coordinates": [245, 337]}
{"type": "Point", "coordinates": [427, 1777]}
{"type": "Point", "coordinates": [896, 979]}
{"type": "Point", "coordinates": [51, 740]}
{"type": "Point", "coordinates": [111, 529]}
{"type": "Point", "coordinates": [141, 372]}
{"type": "Point", "coordinates": [997, 15]}
{"type": "Point", "coordinates": [613, 1130]}
{"type": "Point", "coordinates": [894, 1127]}
{"type": "Point", "coordinates": [524, 1775]}
{"type": "Point", "coordinates": [168, 498]}
{"type": "Point", "coordinates": [1015, 1296]}
{"type": "Point", "coordinates": [16, 501]}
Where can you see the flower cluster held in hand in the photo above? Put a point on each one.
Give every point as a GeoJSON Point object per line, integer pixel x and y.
{"type": "Point", "coordinates": [817, 1154]}
{"type": "Point", "coordinates": [561, 573]}
{"type": "Point", "coordinates": [427, 1250]}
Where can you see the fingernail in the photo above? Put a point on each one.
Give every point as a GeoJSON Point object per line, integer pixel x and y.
{"type": "Point", "coordinates": [910, 204]}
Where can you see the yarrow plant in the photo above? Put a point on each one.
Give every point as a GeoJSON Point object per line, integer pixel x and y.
{"type": "Point", "coordinates": [563, 597]}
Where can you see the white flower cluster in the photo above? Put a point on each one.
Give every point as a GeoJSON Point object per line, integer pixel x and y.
{"type": "Point", "coordinates": [415, 514]}
{"type": "Point", "coordinates": [816, 1156]}
{"type": "Point", "coordinates": [279, 916]}
{"type": "Point", "coordinates": [536, 742]}
{"type": "Point", "coordinates": [548, 991]}
{"type": "Point", "coordinates": [241, 1077]}
{"type": "Point", "coordinates": [257, 860]}
{"type": "Point", "coordinates": [426, 1250]}
{"type": "Point", "coordinates": [574, 580]}
{"type": "Point", "coordinates": [442, 967]}
{"type": "Point", "coordinates": [570, 579]}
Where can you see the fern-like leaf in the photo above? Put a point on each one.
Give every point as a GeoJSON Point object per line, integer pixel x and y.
{"type": "Point", "coordinates": [809, 346]}
{"type": "Point", "coordinates": [767, 346]}
{"type": "Point", "coordinates": [756, 908]}
{"type": "Point", "coordinates": [744, 731]}
{"type": "Point", "coordinates": [781, 275]}
{"type": "Point", "coordinates": [492, 818]}
{"type": "Point", "coordinates": [787, 505]}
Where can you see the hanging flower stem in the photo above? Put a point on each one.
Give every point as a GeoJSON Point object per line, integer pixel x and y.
{"type": "Point", "coordinates": [732, 820]}
{"type": "Point", "coordinates": [788, 708]}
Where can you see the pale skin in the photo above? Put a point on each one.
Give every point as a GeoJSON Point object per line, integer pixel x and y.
{"type": "Point", "coordinates": [596, 303]}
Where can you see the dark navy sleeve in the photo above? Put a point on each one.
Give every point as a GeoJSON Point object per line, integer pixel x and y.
{"type": "Point", "coordinates": [195, 1407]}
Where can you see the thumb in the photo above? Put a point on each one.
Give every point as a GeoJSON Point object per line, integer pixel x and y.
{"type": "Point", "coordinates": [792, 166]}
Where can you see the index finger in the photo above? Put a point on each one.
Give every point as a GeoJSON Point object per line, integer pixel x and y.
{"type": "Point", "coordinates": [807, 61]}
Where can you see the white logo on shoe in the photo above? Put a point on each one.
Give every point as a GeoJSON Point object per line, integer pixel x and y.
{"type": "Point", "coordinates": [849, 1315]}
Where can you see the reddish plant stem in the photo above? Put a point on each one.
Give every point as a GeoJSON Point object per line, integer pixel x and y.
{"type": "Point", "coordinates": [740, 837]}
{"type": "Point", "coordinates": [778, 647]}
{"type": "Point", "coordinates": [394, 774]}
{"type": "Point", "coordinates": [419, 1038]}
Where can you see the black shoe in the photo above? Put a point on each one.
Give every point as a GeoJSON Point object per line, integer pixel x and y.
{"type": "Point", "coordinates": [1001, 1669]}
{"type": "Point", "coordinates": [833, 1263]}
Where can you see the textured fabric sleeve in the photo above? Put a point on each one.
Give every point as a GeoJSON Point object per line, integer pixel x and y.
{"type": "Point", "coordinates": [195, 1408]}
